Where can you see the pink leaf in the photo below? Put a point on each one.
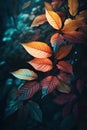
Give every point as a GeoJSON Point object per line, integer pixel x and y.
{"type": "Point", "coordinates": [65, 98]}
{"type": "Point", "coordinates": [41, 64]}
{"type": "Point", "coordinates": [51, 82]}
{"type": "Point", "coordinates": [28, 90]}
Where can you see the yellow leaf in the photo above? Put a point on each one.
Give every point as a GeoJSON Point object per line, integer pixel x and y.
{"type": "Point", "coordinates": [72, 25]}
{"type": "Point", "coordinates": [39, 20]}
{"type": "Point", "coordinates": [25, 74]}
{"type": "Point", "coordinates": [63, 51]}
{"type": "Point", "coordinates": [53, 18]}
{"type": "Point", "coordinates": [38, 49]}
{"type": "Point", "coordinates": [41, 64]}
{"type": "Point", "coordinates": [73, 7]}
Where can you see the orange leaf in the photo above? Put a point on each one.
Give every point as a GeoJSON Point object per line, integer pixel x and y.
{"type": "Point", "coordinates": [28, 90]}
{"type": "Point", "coordinates": [64, 88]}
{"type": "Point", "coordinates": [63, 51]}
{"type": "Point", "coordinates": [53, 18]}
{"type": "Point", "coordinates": [41, 64]}
{"type": "Point", "coordinates": [39, 20]}
{"type": "Point", "coordinates": [65, 66]}
{"type": "Point", "coordinates": [50, 82]}
{"type": "Point", "coordinates": [38, 49]}
{"type": "Point", "coordinates": [25, 74]}
{"type": "Point", "coordinates": [48, 6]}
{"type": "Point", "coordinates": [73, 7]}
{"type": "Point", "coordinates": [72, 25]}
{"type": "Point", "coordinates": [56, 38]}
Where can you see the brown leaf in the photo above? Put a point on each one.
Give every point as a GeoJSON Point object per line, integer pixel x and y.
{"type": "Point", "coordinates": [38, 49]}
{"type": "Point", "coordinates": [63, 51]}
{"type": "Point", "coordinates": [41, 64]}
{"type": "Point", "coordinates": [64, 88]}
{"type": "Point", "coordinates": [39, 20]}
{"type": "Point", "coordinates": [75, 37]}
{"type": "Point", "coordinates": [72, 25]}
{"type": "Point", "coordinates": [73, 7]}
{"type": "Point", "coordinates": [65, 66]}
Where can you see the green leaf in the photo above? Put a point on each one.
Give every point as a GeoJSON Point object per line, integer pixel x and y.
{"type": "Point", "coordinates": [35, 111]}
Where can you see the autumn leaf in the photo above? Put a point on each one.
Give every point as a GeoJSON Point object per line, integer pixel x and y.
{"type": "Point", "coordinates": [56, 38]}
{"type": "Point", "coordinates": [28, 90]}
{"type": "Point", "coordinates": [82, 14]}
{"type": "Point", "coordinates": [62, 87]}
{"type": "Point", "coordinates": [53, 18]}
{"type": "Point", "coordinates": [48, 6]}
{"type": "Point", "coordinates": [65, 66]}
{"type": "Point", "coordinates": [51, 82]}
{"type": "Point", "coordinates": [41, 64]}
{"type": "Point", "coordinates": [73, 7]}
{"type": "Point", "coordinates": [38, 49]}
{"type": "Point", "coordinates": [63, 51]}
{"type": "Point", "coordinates": [72, 25]}
{"type": "Point", "coordinates": [65, 98]}
{"type": "Point", "coordinates": [25, 74]}
{"type": "Point", "coordinates": [56, 3]}
{"type": "Point", "coordinates": [39, 20]}
{"type": "Point", "coordinates": [64, 77]}
{"type": "Point", "coordinates": [75, 37]}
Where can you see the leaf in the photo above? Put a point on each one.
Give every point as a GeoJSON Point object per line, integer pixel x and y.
{"type": "Point", "coordinates": [66, 110]}
{"type": "Point", "coordinates": [41, 64]}
{"type": "Point", "coordinates": [68, 123]}
{"type": "Point", "coordinates": [65, 98]}
{"type": "Point", "coordinates": [75, 37]}
{"type": "Point", "coordinates": [25, 74]}
{"type": "Point", "coordinates": [73, 7]}
{"type": "Point", "coordinates": [53, 18]}
{"type": "Point", "coordinates": [38, 49]}
{"type": "Point", "coordinates": [57, 3]}
{"type": "Point", "coordinates": [56, 39]}
{"type": "Point", "coordinates": [72, 25]}
{"type": "Point", "coordinates": [12, 104]}
{"type": "Point", "coordinates": [63, 51]}
{"type": "Point", "coordinates": [39, 20]}
{"type": "Point", "coordinates": [26, 5]}
{"type": "Point", "coordinates": [83, 14]}
{"type": "Point", "coordinates": [28, 90]}
{"type": "Point", "coordinates": [65, 66]}
{"type": "Point", "coordinates": [48, 6]}
{"type": "Point", "coordinates": [64, 88]}
{"type": "Point", "coordinates": [50, 82]}
{"type": "Point", "coordinates": [64, 77]}
{"type": "Point", "coordinates": [35, 111]}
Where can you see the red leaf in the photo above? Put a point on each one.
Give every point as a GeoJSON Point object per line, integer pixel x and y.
{"type": "Point", "coordinates": [65, 66]}
{"type": "Point", "coordinates": [64, 77]}
{"type": "Point", "coordinates": [28, 90]}
{"type": "Point", "coordinates": [41, 64]}
{"type": "Point", "coordinates": [51, 82]}
{"type": "Point", "coordinates": [57, 3]}
{"type": "Point", "coordinates": [65, 98]}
